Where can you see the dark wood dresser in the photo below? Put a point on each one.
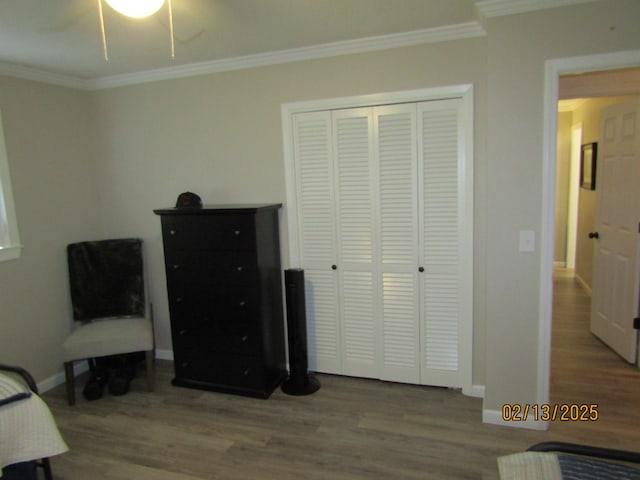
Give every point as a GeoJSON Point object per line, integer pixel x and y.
{"type": "Point", "coordinates": [224, 283]}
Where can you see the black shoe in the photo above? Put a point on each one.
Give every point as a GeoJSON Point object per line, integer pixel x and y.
{"type": "Point", "coordinates": [119, 382]}
{"type": "Point", "coordinates": [94, 389]}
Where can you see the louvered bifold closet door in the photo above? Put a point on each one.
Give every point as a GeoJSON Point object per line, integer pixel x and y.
{"type": "Point", "coordinates": [355, 208]}
{"type": "Point", "coordinates": [317, 237]}
{"type": "Point", "coordinates": [396, 162]}
{"type": "Point", "coordinates": [441, 157]}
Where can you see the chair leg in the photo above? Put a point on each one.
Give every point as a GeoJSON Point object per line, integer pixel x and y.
{"type": "Point", "coordinates": [148, 356]}
{"type": "Point", "coordinates": [46, 466]}
{"type": "Point", "coordinates": [69, 380]}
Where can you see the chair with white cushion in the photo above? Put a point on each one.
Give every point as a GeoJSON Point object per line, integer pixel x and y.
{"type": "Point", "coordinates": [106, 279]}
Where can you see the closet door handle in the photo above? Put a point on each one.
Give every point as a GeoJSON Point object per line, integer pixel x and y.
{"type": "Point", "coordinates": [334, 267]}
{"type": "Point", "coordinates": [421, 269]}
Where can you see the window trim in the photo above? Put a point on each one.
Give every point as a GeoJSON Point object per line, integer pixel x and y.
{"type": "Point", "coordinates": [10, 247]}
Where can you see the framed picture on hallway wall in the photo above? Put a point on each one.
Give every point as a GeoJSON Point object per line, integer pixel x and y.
{"type": "Point", "coordinates": [588, 159]}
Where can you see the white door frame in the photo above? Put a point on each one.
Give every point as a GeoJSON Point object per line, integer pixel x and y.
{"type": "Point", "coordinates": [553, 70]}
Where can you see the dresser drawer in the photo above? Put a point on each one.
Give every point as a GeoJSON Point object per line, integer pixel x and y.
{"type": "Point", "coordinates": [222, 369]}
{"type": "Point", "coordinates": [223, 304]}
{"type": "Point", "coordinates": [205, 267]}
{"type": "Point", "coordinates": [219, 232]}
{"type": "Point", "coordinates": [243, 339]}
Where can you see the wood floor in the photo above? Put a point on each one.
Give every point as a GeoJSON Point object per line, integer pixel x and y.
{"type": "Point", "coordinates": [350, 429]}
{"type": "Point", "coordinates": [585, 371]}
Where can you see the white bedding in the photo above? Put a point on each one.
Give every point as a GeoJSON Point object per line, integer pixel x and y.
{"type": "Point", "coordinates": [529, 466]}
{"type": "Point", "coordinates": [27, 428]}
{"type": "Point", "coordinates": [561, 466]}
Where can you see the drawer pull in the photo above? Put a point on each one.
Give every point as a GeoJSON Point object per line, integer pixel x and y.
{"type": "Point", "coordinates": [239, 268]}
{"type": "Point", "coordinates": [244, 338]}
{"type": "Point", "coordinates": [184, 364]}
{"type": "Point", "coordinates": [172, 232]}
{"type": "Point", "coordinates": [236, 232]}
{"type": "Point", "coordinates": [242, 303]}
{"type": "Point", "coordinates": [246, 372]}
{"type": "Point", "coordinates": [179, 299]}
{"type": "Point", "coordinates": [182, 332]}
{"type": "Point", "coordinates": [176, 266]}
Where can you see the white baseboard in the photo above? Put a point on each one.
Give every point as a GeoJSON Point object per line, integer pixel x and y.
{"type": "Point", "coordinates": [476, 391]}
{"type": "Point", "coordinates": [583, 284]}
{"type": "Point", "coordinates": [81, 367]}
{"type": "Point", "coordinates": [58, 378]}
{"type": "Point", "coordinates": [495, 417]}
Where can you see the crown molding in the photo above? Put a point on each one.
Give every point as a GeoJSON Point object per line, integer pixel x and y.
{"type": "Point", "coordinates": [43, 76]}
{"type": "Point", "coordinates": [485, 9]}
{"type": "Point", "coordinates": [383, 42]}
{"type": "Point", "coordinates": [347, 47]}
{"type": "Point", "coordinates": [499, 8]}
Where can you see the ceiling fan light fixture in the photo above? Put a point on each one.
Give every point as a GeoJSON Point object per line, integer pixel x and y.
{"type": "Point", "coordinates": [136, 8]}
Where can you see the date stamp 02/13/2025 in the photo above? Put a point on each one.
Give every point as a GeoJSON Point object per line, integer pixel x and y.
{"type": "Point", "coordinates": [550, 412]}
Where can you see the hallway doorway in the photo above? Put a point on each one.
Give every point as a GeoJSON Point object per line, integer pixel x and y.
{"type": "Point", "coordinates": [554, 70]}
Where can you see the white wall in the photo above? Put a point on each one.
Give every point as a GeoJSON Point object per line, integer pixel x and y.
{"type": "Point", "coordinates": [48, 136]}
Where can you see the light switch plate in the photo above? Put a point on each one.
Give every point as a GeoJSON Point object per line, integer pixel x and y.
{"type": "Point", "coordinates": [527, 241]}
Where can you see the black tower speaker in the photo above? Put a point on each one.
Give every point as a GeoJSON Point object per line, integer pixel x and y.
{"type": "Point", "coordinates": [300, 381]}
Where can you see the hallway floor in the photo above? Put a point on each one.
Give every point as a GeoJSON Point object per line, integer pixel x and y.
{"type": "Point", "coordinates": [585, 371]}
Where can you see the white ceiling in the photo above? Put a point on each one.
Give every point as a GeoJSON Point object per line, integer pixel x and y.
{"type": "Point", "coordinates": [63, 37]}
